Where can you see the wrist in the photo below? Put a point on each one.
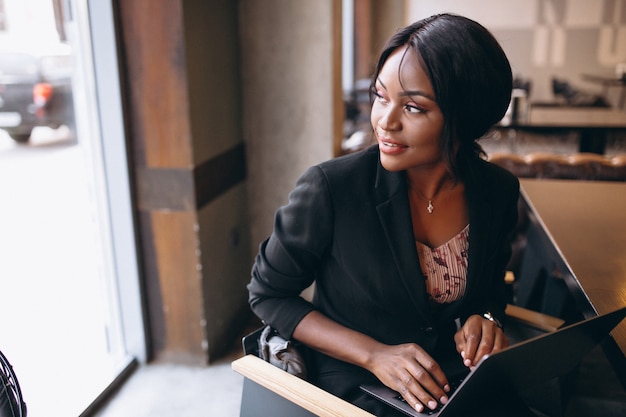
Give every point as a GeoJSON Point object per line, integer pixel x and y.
{"type": "Point", "coordinates": [372, 355]}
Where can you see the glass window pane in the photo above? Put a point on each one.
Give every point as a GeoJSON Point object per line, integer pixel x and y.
{"type": "Point", "coordinates": [62, 331]}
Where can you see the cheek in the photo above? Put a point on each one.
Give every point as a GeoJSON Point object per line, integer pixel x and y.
{"type": "Point", "coordinates": [374, 116]}
{"type": "Point", "coordinates": [431, 131]}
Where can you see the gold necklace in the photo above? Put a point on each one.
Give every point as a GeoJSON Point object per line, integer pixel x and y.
{"type": "Point", "coordinates": [430, 208]}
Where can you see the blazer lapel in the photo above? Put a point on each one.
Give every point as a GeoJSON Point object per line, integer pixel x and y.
{"type": "Point", "coordinates": [480, 213]}
{"type": "Point", "coordinates": [395, 218]}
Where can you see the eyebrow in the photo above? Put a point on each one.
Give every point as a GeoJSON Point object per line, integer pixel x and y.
{"type": "Point", "coordinates": [409, 93]}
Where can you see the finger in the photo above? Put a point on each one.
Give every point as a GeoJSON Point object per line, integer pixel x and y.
{"type": "Point", "coordinates": [430, 382]}
{"type": "Point", "coordinates": [410, 398]}
{"type": "Point", "coordinates": [472, 340]}
{"type": "Point", "coordinates": [415, 395]}
{"type": "Point", "coordinates": [487, 340]}
{"type": "Point", "coordinates": [420, 401]}
{"type": "Point", "coordinates": [459, 340]}
{"type": "Point", "coordinates": [493, 340]}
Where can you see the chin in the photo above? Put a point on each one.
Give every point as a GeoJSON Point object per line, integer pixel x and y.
{"type": "Point", "coordinates": [391, 164]}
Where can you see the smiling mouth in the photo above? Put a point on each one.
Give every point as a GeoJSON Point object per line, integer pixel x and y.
{"type": "Point", "coordinates": [392, 144]}
{"type": "Point", "coordinates": [388, 142]}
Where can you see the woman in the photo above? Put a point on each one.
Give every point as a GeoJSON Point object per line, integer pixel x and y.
{"type": "Point", "coordinates": [406, 241]}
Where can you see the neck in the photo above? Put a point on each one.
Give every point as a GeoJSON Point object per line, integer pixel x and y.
{"type": "Point", "coordinates": [428, 184]}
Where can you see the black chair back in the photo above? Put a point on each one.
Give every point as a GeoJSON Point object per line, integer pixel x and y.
{"type": "Point", "coordinates": [11, 401]}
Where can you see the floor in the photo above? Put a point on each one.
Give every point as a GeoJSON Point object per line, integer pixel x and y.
{"type": "Point", "coordinates": [169, 390]}
{"type": "Point", "coordinates": [166, 390]}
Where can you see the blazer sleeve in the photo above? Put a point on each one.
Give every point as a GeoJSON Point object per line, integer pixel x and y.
{"type": "Point", "coordinates": [288, 260]}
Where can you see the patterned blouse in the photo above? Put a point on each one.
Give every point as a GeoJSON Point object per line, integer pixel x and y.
{"type": "Point", "coordinates": [445, 267]}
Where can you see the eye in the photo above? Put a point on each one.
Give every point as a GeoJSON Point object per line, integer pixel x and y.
{"type": "Point", "coordinates": [412, 108]}
{"type": "Point", "coordinates": [379, 97]}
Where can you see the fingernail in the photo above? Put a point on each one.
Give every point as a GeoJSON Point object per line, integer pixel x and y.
{"type": "Point", "coordinates": [446, 388]}
{"type": "Point", "coordinates": [443, 400]}
{"type": "Point", "coordinates": [463, 354]}
{"type": "Point", "coordinates": [419, 408]}
{"type": "Point", "coordinates": [432, 404]}
{"type": "Point", "coordinates": [467, 363]}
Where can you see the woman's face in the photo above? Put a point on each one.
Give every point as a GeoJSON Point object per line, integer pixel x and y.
{"type": "Point", "coordinates": [405, 117]}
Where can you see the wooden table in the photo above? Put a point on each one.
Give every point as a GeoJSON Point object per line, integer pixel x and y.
{"type": "Point", "coordinates": [592, 123]}
{"type": "Point", "coordinates": [584, 224]}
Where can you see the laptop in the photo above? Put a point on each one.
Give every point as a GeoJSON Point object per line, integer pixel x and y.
{"type": "Point", "coordinates": [515, 368]}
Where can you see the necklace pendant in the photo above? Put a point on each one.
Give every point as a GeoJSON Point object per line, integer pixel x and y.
{"type": "Point", "coordinates": [430, 207]}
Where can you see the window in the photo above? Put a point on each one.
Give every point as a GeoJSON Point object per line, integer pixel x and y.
{"type": "Point", "coordinates": [69, 278]}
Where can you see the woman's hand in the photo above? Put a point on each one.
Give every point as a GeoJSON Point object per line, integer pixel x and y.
{"type": "Point", "coordinates": [477, 338]}
{"type": "Point", "coordinates": [405, 368]}
{"type": "Point", "coordinates": [409, 370]}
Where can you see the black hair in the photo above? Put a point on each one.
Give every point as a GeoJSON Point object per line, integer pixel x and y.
{"type": "Point", "coordinates": [470, 75]}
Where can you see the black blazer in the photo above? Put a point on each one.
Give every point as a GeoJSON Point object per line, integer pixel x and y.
{"type": "Point", "coordinates": [347, 227]}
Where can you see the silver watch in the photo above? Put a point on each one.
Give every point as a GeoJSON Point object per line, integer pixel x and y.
{"type": "Point", "coordinates": [487, 315]}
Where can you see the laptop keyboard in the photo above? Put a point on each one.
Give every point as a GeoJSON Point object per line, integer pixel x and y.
{"type": "Point", "coordinates": [427, 411]}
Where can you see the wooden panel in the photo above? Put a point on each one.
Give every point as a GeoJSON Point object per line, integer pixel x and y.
{"type": "Point", "coordinates": [338, 104]}
{"type": "Point", "coordinates": [219, 174]}
{"type": "Point", "coordinates": [153, 53]}
{"type": "Point", "coordinates": [226, 259]}
{"type": "Point", "coordinates": [179, 276]}
{"type": "Point", "coordinates": [363, 64]}
{"type": "Point", "coordinates": [183, 190]}
{"type": "Point", "coordinates": [162, 117]}
{"type": "Point", "coordinates": [165, 189]}
{"type": "Point", "coordinates": [213, 76]}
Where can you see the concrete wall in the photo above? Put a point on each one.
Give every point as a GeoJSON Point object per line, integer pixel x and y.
{"type": "Point", "coordinates": [287, 80]}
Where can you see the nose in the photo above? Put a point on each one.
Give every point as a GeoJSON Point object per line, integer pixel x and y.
{"type": "Point", "coordinates": [389, 120]}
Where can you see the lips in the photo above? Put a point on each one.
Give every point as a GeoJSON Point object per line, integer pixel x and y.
{"type": "Point", "coordinates": [390, 146]}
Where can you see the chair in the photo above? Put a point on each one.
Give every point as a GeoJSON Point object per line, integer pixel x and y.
{"type": "Point", "coordinates": [271, 392]}
{"type": "Point", "coordinates": [514, 163]}
{"type": "Point", "coordinates": [577, 166]}
{"type": "Point", "coordinates": [11, 401]}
